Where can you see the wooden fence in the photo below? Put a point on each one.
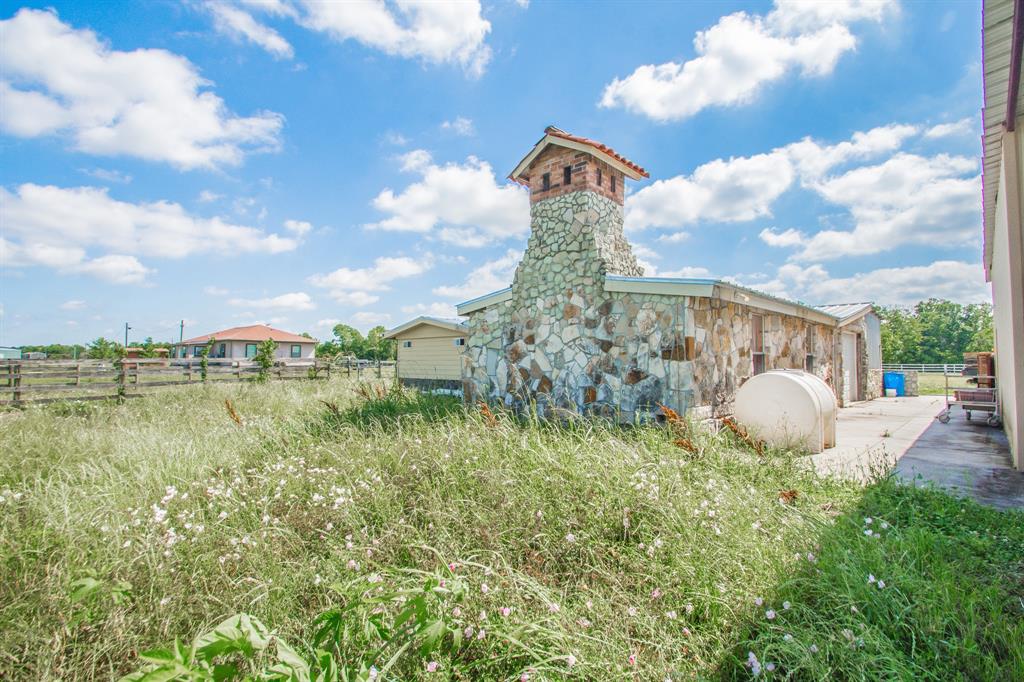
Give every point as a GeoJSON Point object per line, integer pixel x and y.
{"type": "Point", "coordinates": [40, 381]}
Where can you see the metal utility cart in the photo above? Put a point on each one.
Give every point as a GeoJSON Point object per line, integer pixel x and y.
{"type": "Point", "coordinates": [978, 399]}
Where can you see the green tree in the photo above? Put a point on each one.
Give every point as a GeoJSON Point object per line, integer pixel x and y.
{"type": "Point", "coordinates": [979, 321]}
{"type": "Point", "coordinates": [377, 347]}
{"type": "Point", "coordinates": [901, 335]}
{"type": "Point", "coordinates": [103, 349]}
{"type": "Point", "coordinates": [935, 331]}
{"type": "Point", "coordinates": [349, 341]}
{"type": "Point", "coordinates": [265, 358]}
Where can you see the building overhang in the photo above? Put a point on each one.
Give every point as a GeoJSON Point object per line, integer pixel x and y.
{"type": "Point", "coordinates": [485, 301]}
{"type": "Point", "coordinates": [1002, 44]}
{"type": "Point", "coordinates": [426, 320]}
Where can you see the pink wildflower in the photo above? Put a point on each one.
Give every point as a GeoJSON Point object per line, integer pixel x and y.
{"type": "Point", "coordinates": [770, 614]}
{"type": "Point", "coordinates": [632, 659]}
{"type": "Point", "coordinates": [432, 667]}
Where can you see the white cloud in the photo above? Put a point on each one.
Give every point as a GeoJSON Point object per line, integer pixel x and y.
{"type": "Point", "coordinates": [460, 126]}
{"type": "Point", "coordinates": [416, 160]}
{"type": "Point", "coordinates": [741, 188]}
{"type": "Point", "coordinates": [491, 276]}
{"type": "Point", "coordinates": [207, 197]}
{"type": "Point", "coordinates": [351, 286]}
{"type": "Point", "coordinates": [685, 272]}
{"type": "Point", "coordinates": [436, 309]}
{"type": "Point", "coordinates": [790, 237]}
{"type": "Point", "coordinates": [375, 278]}
{"type": "Point", "coordinates": [674, 237]}
{"type": "Point", "coordinates": [437, 32]}
{"type": "Point", "coordinates": [215, 291]}
{"type": "Point", "coordinates": [744, 188]}
{"type": "Point", "coordinates": [107, 175]}
{"type": "Point", "coordinates": [964, 126]}
{"type": "Point", "coordinates": [237, 23]}
{"type": "Point", "coordinates": [56, 227]}
{"type": "Point", "coordinates": [465, 198]}
{"type": "Point", "coordinates": [298, 300]}
{"type": "Point", "coordinates": [365, 320]}
{"type": "Point", "coordinates": [72, 305]}
{"type": "Point", "coordinates": [954, 280]}
{"type": "Point", "coordinates": [297, 227]}
{"type": "Point", "coordinates": [354, 298]}
{"type": "Point", "coordinates": [741, 53]}
{"type": "Point", "coordinates": [115, 268]}
{"type": "Point", "coordinates": [908, 199]}
{"type": "Point", "coordinates": [148, 103]}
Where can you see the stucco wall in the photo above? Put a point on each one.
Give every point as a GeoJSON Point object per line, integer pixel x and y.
{"type": "Point", "coordinates": [1008, 297]}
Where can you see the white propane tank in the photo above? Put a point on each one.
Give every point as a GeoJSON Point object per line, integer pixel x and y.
{"type": "Point", "coordinates": [788, 408]}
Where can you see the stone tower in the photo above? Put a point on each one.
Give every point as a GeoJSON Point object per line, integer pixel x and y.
{"type": "Point", "coordinates": [576, 210]}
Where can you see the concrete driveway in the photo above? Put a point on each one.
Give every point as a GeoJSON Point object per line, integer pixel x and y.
{"type": "Point", "coordinates": [902, 435]}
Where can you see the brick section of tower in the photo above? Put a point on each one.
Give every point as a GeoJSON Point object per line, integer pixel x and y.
{"type": "Point", "coordinates": [585, 167]}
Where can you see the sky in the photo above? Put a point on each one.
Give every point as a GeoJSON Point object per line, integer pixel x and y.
{"type": "Point", "coordinates": [301, 163]}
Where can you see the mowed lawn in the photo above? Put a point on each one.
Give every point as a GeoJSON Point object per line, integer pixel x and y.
{"type": "Point", "coordinates": [391, 536]}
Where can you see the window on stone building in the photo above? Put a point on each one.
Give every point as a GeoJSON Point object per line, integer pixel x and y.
{"type": "Point", "coordinates": [545, 182]}
{"type": "Point", "coordinates": [567, 175]}
{"type": "Point", "coordinates": [757, 343]}
{"type": "Point", "coordinates": [809, 349]}
{"type": "Point", "coordinates": [599, 177]}
{"type": "Point", "coordinates": [296, 350]}
{"type": "Point", "coordinates": [613, 184]}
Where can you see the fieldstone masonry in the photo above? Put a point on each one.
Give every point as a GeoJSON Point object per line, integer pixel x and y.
{"type": "Point", "coordinates": [562, 342]}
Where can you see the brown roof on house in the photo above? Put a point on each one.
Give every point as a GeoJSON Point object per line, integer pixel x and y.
{"type": "Point", "coordinates": [603, 148]}
{"type": "Point", "coordinates": [253, 332]}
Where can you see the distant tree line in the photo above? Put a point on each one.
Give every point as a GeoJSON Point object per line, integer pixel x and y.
{"type": "Point", "coordinates": [935, 331]}
{"type": "Point", "coordinates": [349, 342]}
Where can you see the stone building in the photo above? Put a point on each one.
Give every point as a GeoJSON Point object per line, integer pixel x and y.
{"type": "Point", "coordinates": [581, 329]}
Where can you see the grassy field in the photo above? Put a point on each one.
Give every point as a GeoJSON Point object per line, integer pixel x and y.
{"type": "Point", "coordinates": [935, 384]}
{"type": "Point", "coordinates": [402, 538]}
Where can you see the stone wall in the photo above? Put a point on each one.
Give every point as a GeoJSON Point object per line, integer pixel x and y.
{"type": "Point", "coordinates": [874, 388]}
{"type": "Point", "coordinates": [562, 343]}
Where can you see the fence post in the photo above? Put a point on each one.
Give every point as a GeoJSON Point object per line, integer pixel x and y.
{"type": "Point", "coordinates": [378, 370]}
{"type": "Point", "coordinates": [121, 380]}
{"type": "Point", "coordinates": [78, 374]}
{"type": "Point", "coordinates": [16, 381]}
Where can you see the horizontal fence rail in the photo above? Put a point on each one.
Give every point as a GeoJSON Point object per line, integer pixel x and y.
{"type": "Point", "coordinates": [42, 381]}
{"type": "Point", "coordinates": [926, 368]}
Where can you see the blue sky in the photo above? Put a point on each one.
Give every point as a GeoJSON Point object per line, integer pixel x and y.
{"type": "Point", "coordinates": [303, 164]}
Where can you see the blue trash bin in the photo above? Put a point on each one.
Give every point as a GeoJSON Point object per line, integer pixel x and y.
{"type": "Point", "coordinates": [895, 380]}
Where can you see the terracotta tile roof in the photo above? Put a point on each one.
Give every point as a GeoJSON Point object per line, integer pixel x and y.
{"type": "Point", "coordinates": [557, 132]}
{"type": "Point", "coordinates": [253, 332]}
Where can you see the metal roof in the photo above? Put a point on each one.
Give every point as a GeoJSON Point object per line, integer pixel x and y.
{"type": "Point", "coordinates": [997, 47]}
{"type": "Point", "coordinates": [449, 323]}
{"type": "Point", "coordinates": [845, 311]}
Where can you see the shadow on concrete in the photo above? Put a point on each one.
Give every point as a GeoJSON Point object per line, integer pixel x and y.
{"type": "Point", "coordinates": [967, 459]}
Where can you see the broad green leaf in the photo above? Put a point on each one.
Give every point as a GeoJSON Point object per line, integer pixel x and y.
{"type": "Point", "coordinates": [241, 634]}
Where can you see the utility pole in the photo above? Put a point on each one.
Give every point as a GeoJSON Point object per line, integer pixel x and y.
{"type": "Point", "coordinates": [181, 337]}
{"type": "Point", "coordinates": [126, 328]}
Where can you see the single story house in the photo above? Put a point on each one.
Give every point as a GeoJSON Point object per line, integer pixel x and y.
{"type": "Point", "coordinates": [10, 353]}
{"type": "Point", "coordinates": [1002, 194]}
{"type": "Point", "coordinates": [582, 329]}
{"type": "Point", "coordinates": [430, 352]}
{"type": "Point", "coordinates": [860, 344]}
{"type": "Point", "coordinates": [242, 342]}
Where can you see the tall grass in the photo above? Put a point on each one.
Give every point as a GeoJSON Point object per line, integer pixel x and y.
{"type": "Point", "coordinates": [581, 551]}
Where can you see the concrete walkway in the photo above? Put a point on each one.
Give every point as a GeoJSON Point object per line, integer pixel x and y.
{"type": "Point", "coordinates": [966, 458]}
